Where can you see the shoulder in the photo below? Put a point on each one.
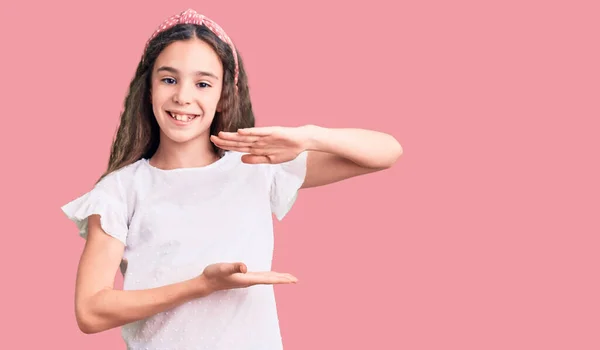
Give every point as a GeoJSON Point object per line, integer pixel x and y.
{"type": "Point", "coordinates": [110, 198]}
{"type": "Point", "coordinates": [123, 176]}
{"type": "Point", "coordinates": [285, 180]}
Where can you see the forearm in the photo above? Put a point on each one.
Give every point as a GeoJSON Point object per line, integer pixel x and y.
{"type": "Point", "coordinates": [366, 148]}
{"type": "Point", "coordinates": [111, 308]}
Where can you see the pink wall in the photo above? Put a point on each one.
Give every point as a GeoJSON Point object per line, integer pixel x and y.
{"type": "Point", "coordinates": [483, 236]}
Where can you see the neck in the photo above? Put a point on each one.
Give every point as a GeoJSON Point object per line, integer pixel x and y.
{"type": "Point", "coordinates": [191, 154]}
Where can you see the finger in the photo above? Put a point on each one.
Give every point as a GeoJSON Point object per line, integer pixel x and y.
{"type": "Point", "coordinates": [258, 152]}
{"type": "Point", "coordinates": [236, 149]}
{"type": "Point", "coordinates": [259, 145]}
{"type": "Point", "coordinates": [291, 278]}
{"type": "Point", "coordinates": [258, 131]}
{"type": "Point", "coordinates": [258, 148]}
{"type": "Point", "coordinates": [229, 143]}
{"type": "Point", "coordinates": [233, 136]}
{"type": "Point", "coordinates": [288, 276]}
{"type": "Point", "coordinates": [270, 278]}
{"type": "Point", "coordinates": [255, 159]}
{"type": "Point", "coordinates": [234, 143]}
{"type": "Point", "coordinates": [230, 269]}
{"type": "Point", "coordinates": [279, 275]}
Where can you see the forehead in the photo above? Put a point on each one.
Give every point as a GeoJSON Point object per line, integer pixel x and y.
{"type": "Point", "coordinates": [190, 56]}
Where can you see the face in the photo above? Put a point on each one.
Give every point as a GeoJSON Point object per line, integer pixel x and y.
{"type": "Point", "coordinates": [187, 79]}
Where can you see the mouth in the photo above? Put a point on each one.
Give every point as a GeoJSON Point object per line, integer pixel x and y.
{"type": "Point", "coordinates": [182, 117]}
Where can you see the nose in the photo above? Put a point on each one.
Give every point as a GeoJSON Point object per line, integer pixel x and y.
{"type": "Point", "coordinates": [184, 94]}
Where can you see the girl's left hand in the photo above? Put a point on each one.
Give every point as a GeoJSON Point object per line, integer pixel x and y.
{"type": "Point", "coordinates": [270, 145]}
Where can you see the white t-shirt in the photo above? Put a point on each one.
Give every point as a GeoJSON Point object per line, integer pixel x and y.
{"type": "Point", "coordinates": [176, 222]}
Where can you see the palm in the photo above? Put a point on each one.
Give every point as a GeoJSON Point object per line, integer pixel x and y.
{"type": "Point", "coordinates": [221, 276]}
{"type": "Point", "coordinates": [265, 145]}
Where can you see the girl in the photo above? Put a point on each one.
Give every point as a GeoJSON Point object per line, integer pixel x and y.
{"type": "Point", "coordinates": [184, 208]}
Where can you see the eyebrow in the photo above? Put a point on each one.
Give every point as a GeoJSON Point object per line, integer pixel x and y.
{"type": "Point", "coordinates": [175, 71]}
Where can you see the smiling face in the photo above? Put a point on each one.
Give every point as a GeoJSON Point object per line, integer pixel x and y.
{"type": "Point", "coordinates": [186, 85]}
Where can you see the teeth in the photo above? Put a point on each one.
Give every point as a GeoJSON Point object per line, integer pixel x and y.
{"type": "Point", "coordinates": [182, 117]}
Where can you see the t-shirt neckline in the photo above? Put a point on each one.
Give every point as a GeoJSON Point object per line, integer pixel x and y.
{"type": "Point", "coordinates": [212, 165]}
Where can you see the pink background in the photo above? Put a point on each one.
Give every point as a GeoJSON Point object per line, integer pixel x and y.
{"type": "Point", "coordinates": [485, 235]}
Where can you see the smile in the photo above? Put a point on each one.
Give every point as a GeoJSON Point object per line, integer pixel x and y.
{"type": "Point", "coordinates": [182, 117]}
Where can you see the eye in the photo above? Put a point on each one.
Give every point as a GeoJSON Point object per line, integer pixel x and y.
{"type": "Point", "coordinates": [168, 80]}
{"type": "Point", "coordinates": [203, 85]}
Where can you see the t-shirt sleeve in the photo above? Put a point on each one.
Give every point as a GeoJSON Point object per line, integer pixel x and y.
{"type": "Point", "coordinates": [286, 180]}
{"type": "Point", "coordinates": [106, 199]}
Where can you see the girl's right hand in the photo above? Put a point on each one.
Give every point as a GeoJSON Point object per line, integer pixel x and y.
{"type": "Point", "coordinates": [221, 276]}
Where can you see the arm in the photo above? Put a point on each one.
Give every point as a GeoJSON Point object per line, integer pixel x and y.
{"type": "Point", "coordinates": [333, 154]}
{"type": "Point", "coordinates": [338, 154]}
{"type": "Point", "coordinates": [99, 307]}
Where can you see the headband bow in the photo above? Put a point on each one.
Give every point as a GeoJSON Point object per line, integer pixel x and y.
{"type": "Point", "coordinates": [192, 17]}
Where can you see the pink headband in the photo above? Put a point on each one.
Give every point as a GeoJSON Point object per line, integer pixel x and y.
{"type": "Point", "coordinates": [192, 17]}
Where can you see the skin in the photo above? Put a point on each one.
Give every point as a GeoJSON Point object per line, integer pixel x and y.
{"type": "Point", "coordinates": [187, 78]}
{"type": "Point", "coordinates": [333, 155]}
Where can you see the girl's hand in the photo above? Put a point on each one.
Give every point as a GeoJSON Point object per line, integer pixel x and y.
{"type": "Point", "coordinates": [221, 276]}
{"type": "Point", "coordinates": [266, 144]}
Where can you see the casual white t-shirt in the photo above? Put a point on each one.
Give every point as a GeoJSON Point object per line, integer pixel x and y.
{"type": "Point", "coordinates": [176, 222]}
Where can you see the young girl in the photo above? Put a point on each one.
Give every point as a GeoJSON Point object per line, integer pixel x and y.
{"type": "Point", "coordinates": [185, 206]}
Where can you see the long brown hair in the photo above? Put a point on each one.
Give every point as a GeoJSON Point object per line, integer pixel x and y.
{"type": "Point", "coordinates": [137, 136]}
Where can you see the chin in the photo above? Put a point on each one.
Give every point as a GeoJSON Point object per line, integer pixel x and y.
{"type": "Point", "coordinates": [181, 139]}
{"type": "Point", "coordinates": [183, 136]}
{"type": "Point", "coordinates": [184, 131]}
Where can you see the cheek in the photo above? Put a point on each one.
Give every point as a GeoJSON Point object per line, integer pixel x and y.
{"type": "Point", "coordinates": [155, 106]}
{"type": "Point", "coordinates": [210, 102]}
{"type": "Point", "coordinates": [158, 99]}
{"type": "Point", "coordinates": [215, 101]}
